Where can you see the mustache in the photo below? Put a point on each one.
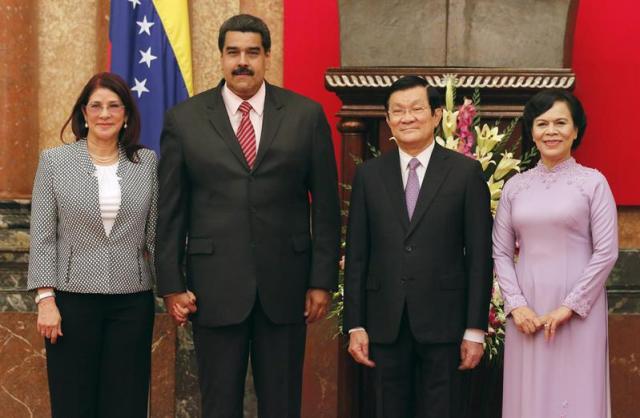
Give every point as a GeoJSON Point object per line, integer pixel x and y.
{"type": "Point", "coordinates": [242, 71]}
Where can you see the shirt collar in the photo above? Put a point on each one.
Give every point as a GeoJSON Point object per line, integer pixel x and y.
{"type": "Point", "coordinates": [232, 101]}
{"type": "Point", "coordinates": [423, 157]}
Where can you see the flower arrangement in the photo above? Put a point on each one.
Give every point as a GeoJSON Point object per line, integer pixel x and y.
{"type": "Point", "coordinates": [489, 147]}
{"type": "Point", "coordinates": [460, 130]}
{"type": "Point", "coordinates": [494, 339]}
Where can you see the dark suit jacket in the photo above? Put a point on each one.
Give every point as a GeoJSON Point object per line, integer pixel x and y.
{"type": "Point", "coordinates": [439, 264]}
{"type": "Point", "coordinates": [250, 232]}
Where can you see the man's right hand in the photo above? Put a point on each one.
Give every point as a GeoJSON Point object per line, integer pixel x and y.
{"type": "Point", "coordinates": [359, 347]}
{"type": "Point", "coordinates": [526, 320]}
{"type": "Point", "coordinates": [180, 305]}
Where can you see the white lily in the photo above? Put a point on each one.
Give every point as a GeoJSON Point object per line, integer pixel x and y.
{"type": "Point", "coordinates": [487, 138]}
{"type": "Point", "coordinates": [448, 95]}
{"type": "Point", "coordinates": [451, 142]}
{"type": "Point", "coordinates": [495, 188]}
{"type": "Point", "coordinates": [449, 122]}
{"type": "Point", "coordinates": [485, 160]}
{"type": "Point", "coordinates": [506, 165]}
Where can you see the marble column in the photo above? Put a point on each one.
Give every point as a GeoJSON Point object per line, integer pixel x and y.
{"type": "Point", "coordinates": [206, 17]}
{"type": "Point", "coordinates": [70, 40]}
{"type": "Point", "coordinates": [272, 12]}
{"type": "Point", "coordinates": [18, 97]}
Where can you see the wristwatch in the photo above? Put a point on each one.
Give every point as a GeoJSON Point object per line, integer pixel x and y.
{"type": "Point", "coordinates": [44, 295]}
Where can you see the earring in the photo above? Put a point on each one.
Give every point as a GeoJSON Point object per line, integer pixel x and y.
{"type": "Point", "coordinates": [86, 125]}
{"type": "Point", "coordinates": [125, 125]}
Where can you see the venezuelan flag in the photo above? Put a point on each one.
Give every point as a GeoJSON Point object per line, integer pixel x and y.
{"type": "Point", "coordinates": [151, 49]}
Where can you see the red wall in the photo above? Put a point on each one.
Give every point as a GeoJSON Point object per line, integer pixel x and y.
{"type": "Point", "coordinates": [311, 45]}
{"type": "Point", "coordinates": [606, 59]}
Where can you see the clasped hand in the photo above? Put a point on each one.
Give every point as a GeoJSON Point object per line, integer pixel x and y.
{"type": "Point", "coordinates": [180, 305]}
{"type": "Point", "coordinates": [528, 322]}
{"type": "Point", "coordinates": [316, 304]}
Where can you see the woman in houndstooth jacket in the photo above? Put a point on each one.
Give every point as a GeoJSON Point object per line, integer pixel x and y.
{"type": "Point", "coordinates": [92, 241]}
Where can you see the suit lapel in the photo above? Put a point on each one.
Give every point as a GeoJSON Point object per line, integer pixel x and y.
{"type": "Point", "coordinates": [273, 115]}
{"type": "Point", "coordinates": [392, 180]}
{"type": "Point", "coordinates": [435, 175]}
{"type": "Point", "coordinates": [219, 119]}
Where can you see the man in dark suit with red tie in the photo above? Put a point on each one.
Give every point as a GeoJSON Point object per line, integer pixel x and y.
{"type": "Point", "coordinates": [418, 264]}
{"type": "Point", "coordinates": [248, 183]}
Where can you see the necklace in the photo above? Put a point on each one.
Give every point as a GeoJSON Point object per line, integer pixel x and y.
{"type": "Point", "coordinates": [104, 160]}
{"type": "Point", "coordinates": [100, 160]}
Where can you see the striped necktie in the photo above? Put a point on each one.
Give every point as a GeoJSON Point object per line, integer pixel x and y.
{"type": "Point", "coordinates": [246, 135]}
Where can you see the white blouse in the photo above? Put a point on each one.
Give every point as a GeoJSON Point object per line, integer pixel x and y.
{"type": "Point", "coordinates": [109, 195]}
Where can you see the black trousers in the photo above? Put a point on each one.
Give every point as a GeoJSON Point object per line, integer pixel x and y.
{"type": "Point", "coordinates": [277, 355]}
{"type": "Point", "coordinates": [101, 365]}
{"type": "Point", "coordinates": [418, 380]}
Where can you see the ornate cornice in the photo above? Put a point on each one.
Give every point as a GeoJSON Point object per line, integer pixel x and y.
{"type": "Point", "coordinates": [477, 81]}
{"type": "Point", "coordinates": [491, 78]}
{"type": "Point", "coordinates": [504, 91]}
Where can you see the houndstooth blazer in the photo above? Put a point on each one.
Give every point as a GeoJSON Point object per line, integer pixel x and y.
{"type": "Point", "coordinates": [69, 248]}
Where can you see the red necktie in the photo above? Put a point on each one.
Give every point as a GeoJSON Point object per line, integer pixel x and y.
{"type": "Point", "coordinates": [246, 135]}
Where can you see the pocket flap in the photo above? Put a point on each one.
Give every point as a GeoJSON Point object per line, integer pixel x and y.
{"type": "Point", "coordinates": [200, 246]}
{"type": "Point", "coordinates": [301, 243]}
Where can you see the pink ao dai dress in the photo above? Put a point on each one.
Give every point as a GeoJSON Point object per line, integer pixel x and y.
{"type": "Point", "coordinates": [565, 223]}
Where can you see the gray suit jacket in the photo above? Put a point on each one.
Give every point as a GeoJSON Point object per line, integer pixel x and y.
{"type": "Point", "coordinates": [69, 248]}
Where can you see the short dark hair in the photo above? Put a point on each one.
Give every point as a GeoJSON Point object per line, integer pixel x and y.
{"type": "Point", "coordinates": [127, 138]}
{"type": "Point", "coordinates": [408, 82]}
{"type": "Point", "coordinates": [245, 23]}
{"type": "Point", "coordinates": [543, 101]}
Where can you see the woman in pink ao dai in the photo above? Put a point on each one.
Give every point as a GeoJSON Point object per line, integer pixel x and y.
{"type": "Point", "coordinates": [562, 217]}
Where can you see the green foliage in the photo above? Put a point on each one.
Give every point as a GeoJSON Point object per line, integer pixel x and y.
{"type": "Point", "coordinates": [528, 156]}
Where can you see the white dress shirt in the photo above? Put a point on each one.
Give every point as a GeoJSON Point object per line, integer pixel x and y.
{"type": "Point", "coordinates": [232, 102]}
{"type": "Point", "coordinates": [109, 195]}
{"type": "Point", "coordinates": [424, 157]}
{"type": "Point", "coordinates": [470, 334]}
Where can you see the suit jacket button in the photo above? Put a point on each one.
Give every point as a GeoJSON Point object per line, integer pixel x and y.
{"type": "Point", "coordinates": [403, 279]}
{"type": "Point", "coordinates": [408, 248]}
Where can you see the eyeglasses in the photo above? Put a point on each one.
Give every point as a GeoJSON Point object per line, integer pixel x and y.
{"type": "Point", "coordinates": [95, 109]}
{"type": "Point", "coordinates": [415, 112]}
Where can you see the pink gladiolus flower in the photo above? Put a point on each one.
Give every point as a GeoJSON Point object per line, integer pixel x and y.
{"type": "Point", "coordinates": [465, 118]}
